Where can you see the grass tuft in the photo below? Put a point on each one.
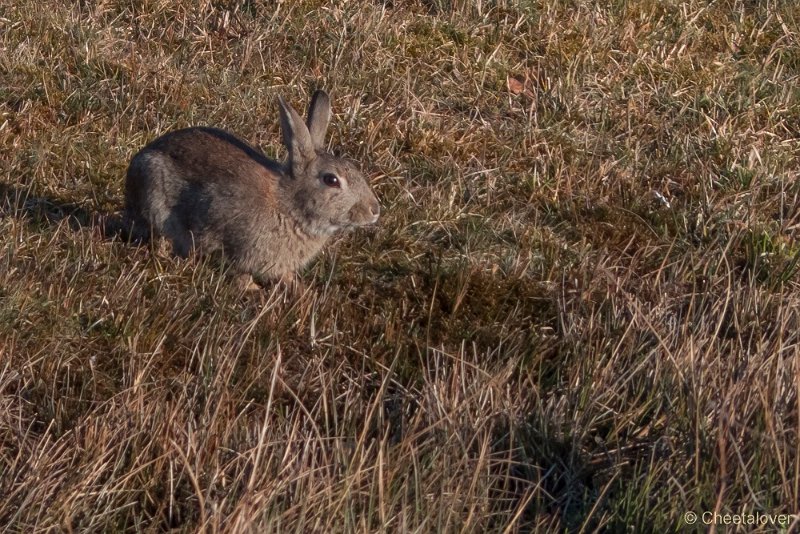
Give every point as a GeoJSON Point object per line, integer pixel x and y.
{"type": "Point", "coordinates": [579, 312]}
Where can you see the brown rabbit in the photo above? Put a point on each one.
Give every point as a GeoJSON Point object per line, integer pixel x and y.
{"type": "Point", "coordinates": [205, 189]}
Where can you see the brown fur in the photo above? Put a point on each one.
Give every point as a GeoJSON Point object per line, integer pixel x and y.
{"type": "Point", "coordinates": [204, 189]}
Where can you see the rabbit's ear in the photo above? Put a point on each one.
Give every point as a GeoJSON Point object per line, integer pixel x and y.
{"type": "Point", "coordinates": [319, 115]}
{"type": "Point", "coordinates": [296, 137]}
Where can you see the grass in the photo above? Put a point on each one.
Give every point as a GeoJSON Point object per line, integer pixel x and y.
{"type": "Point", "coordinates": [579, 312]}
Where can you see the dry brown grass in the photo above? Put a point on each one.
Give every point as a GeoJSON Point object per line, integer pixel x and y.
{"type": "Point", "coordinates": [581, 310]}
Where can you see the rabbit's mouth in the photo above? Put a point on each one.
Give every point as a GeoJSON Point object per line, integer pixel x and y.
{"type": "Point", "coordinates": [331, 227]}
{"type": "Point", "coordinates": [361, 223]}
{"type": "Point", "coordinates": [358, 223]}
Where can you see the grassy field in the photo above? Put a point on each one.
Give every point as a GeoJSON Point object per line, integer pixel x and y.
{"type": "Point", "coordinates": [580, 310]}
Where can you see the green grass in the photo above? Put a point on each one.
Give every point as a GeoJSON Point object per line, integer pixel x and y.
{"type": "Point", "coordinates": [580, 310]}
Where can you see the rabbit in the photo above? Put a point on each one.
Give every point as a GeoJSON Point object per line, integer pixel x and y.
{"type": "Point", "coordinates": [207, 190]}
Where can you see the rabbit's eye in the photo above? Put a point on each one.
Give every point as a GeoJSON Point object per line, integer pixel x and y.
{"type": "Point", "coordinates": [331, 180]}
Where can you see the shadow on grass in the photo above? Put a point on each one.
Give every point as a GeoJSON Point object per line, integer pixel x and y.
{"type": "Point", "coordinates": [44, 211]}
{"type": "Point", "coordinates": [547, 478]}
{"type": "Point", "coordinates": [22, 203]}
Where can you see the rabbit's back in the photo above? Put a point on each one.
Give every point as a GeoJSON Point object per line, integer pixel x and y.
{"type": "Point", "coordinates": [203, 188]}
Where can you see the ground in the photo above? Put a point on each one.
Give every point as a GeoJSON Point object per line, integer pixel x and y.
{"type": "Point", "coordinates": [580, 310]}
